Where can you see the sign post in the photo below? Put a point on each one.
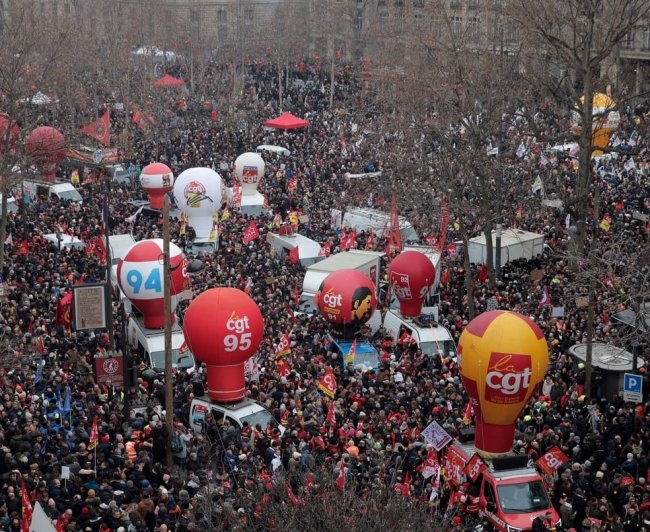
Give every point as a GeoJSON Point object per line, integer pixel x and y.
{"type": "Point", "coordinates": [632, 388]}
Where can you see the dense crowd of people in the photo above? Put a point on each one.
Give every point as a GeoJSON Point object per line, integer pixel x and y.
{"type": "Point", "coordinates": [123, 484]}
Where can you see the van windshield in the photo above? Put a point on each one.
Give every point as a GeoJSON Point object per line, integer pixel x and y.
{"type": "Point", "coordinates": [69, 195]}
{"type": "Point", "coordinates": [366, 360]}
{"type": "Point", "coordinates": [444, 348]}
{"type": "Point", "coordinates": [158, 360]}
{"type": "Point", "coordinates": [523, 498]}
{"type": "Point", "coordinates": [263, 417]}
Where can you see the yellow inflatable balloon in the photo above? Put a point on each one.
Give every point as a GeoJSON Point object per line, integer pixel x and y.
{"type": "Point", "coordinates": [503, 358]}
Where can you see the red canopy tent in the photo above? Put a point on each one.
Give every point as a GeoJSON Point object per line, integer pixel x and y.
{"type": "Point", "coordinates": [168, 81]}
{"type": "Point", "coordinates": [286, 121]}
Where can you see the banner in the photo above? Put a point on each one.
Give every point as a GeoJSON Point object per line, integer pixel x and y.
{"type": "Point", "coordinates": [294, 255]}
{"type": "Point", "coordinates": [551, 460]}
{"type": "Point", "coordinates": [94, 436]}
{"type": "Point", "coordinates": [100, 129]}
{"type": "Point", "coordinates": [453, 464]}
{"type": "Point", "coordinates": [327, 384]}
{"type": "Point", "coordinates": [64, 310]}
{"type": "Point", "coordinates": [349, 358]}
{"type": "Point", "coordinates": [474, 467]}
{"type": "Point", "coordinates": [436, 435]}
{"type": "Point", "coordinates": [251, 233]}
{"type": "Point", "coordinates": [431, 465]}
{"type": "Point", "coordinates": [110, 370]}
{"type": "Point", "coordinates": [95, 246]}
{"type": "Point", "coordinates": [284, 346]}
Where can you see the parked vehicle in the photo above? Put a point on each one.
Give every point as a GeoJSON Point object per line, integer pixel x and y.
{"type": "Point", "coordinates": [44, 189]}
{"type": "Point", "coordinates": [363, 219]}
{"type": "Point", "coordinates": [237, 413]}
{"type": "Point", "coordinates": [62, 240]}
{"type": "Point", "coordinates": [425, 330]}
{"type": "Point", "coordinates": [366, 356]}
{"type": "Point", "coordinates": [510, 493]}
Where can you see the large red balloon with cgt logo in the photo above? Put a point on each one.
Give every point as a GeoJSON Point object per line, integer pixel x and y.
{"type": "Point", "coordinates": [346, 298]}
{"type": "Point", "coordinates": [46, 146]}
{"type": "Point", "coordinates": [156, 180]}
{"type": "Point", "coordinates": [503, 358]}
{"type": "Point", "coordinates": [223, 327]}
{"type": "Point", "coordinates": [411, 277]}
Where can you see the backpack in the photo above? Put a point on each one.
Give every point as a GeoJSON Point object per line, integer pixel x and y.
{"type": "Point", "coordinates": [177, 443]}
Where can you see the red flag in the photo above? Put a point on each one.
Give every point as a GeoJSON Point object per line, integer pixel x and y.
{"type": "Point", "coordinates": [340, 481]}
{"type": "Point", "coordinates": [370, 242]}
{"type": "Point", "coordinates": [331, 415]}
{"type": "Point", "coordinates": [64, 310]}
{"type": "Point", "coordinates": [26, 506]}
{"type": "Point", "coordinates": [94, 436]}
{"type": "Point", "coordinates": [294, 255]}
{"type": "Point", "coordinates": [95, 246]}
{"type": "Point", "coordinates": [283, 367]}
{"type": "Point", "coordinates": [474, 467]}
{"type": "Point", "coordinates": [60, 523]}
{"type": "Point", "coordinates": [284, 346]}
{"type": "Point", "coordinates": [325, 250]}
{"type": "Point", "coordinates": [344, 241]}
{"type": "Point", "coordinates": [100, 129]}
{"type": "Point", "coordinates": [327, 384]}
{"type": "Point", "coordinates": [292, 184]}
{"type": "Point", "coordinates": [40, 345]}
{"type": "Point", "coordinates": [444, 277]}
{"type": "Point", "coordinates": [265, 206]}
{"type": "Point", "coordinates": [551, 460]}
{"type": "Point", "coordinates": [406, 485]}
{"type": "Point", "coordinates": [251, 232]}
{"type": "Point", "coordinates": [467, 417]}
{"type": "Point", "coordinates": [292, 496]}
{"type": "Point", "coordinates": [431, 465]}
{"type": "Point", "coordinates": [352, 240]}
{"type": "Point", "coordinates": [483, 274]}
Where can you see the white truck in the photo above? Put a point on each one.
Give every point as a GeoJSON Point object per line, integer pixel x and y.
{"type": "Point", "coordinates": [309, 251]}
{"type": "Point", "coordinates": [363, 219]}
{"type": "Point", "coordinates": [425, 330]}
{"type": "Point", "coordinates": [368, 262]}
{"type": "Point", "coordinates": [44, 189]}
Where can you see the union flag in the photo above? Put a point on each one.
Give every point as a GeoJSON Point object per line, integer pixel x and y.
{"type": "Point", "coordinates": [100, 129]}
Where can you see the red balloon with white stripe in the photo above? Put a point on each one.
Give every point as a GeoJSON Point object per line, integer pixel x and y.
{"type": "Point", "coordinates": [140, 276]}
{"type": "Point", "coordinates": [156, 180]}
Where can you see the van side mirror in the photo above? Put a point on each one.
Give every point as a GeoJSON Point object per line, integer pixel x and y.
{"type": "Point", "coordinates": [491, 506]}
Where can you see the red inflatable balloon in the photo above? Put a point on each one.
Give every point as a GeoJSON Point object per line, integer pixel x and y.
{"type": "Point", "coordinates": [223, 327]}
{"type": "Point", "coordinates": [156, 180]}
{"type": "Point", "coordinates": [46, 146]}
{"type": "Point", "coordinates": [140, 276]}
{"type": "Point", "coordinates": [7, 143]}
{"type": "Point", "coordinates": [411, 277]}
{"type": "Point", "coordinates": [346, 298]}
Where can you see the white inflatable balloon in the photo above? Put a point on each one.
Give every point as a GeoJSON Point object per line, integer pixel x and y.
{"type": "Point", "coordinates": [249, 169]}
{"type": "Point", "coordinates": [198, 194]}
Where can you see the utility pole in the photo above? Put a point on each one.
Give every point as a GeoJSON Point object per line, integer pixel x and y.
{"type": "Point", "coordinates": [497, 265]}
{"type": "Point", "coordinates": [169, 385]}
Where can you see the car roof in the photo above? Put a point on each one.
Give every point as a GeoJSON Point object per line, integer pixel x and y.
{"type": "Point", "coordinates": [241, 408]}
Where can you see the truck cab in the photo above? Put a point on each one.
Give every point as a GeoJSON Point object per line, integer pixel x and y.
{"type": "Point", "coordinates": [366, 357]}
{"type": "Point", "coordinates": [425, 330]}
{"type": "Point", "coordinates": [45, 189]}
{"type": "Point", "coordinates": [150, 344]}
{"type": "Point", "coordinates": [511, 492]}
{"type": "Point", "coordinates": [236, 413]}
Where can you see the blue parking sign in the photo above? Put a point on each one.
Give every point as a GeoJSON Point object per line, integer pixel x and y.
{"type": "Point", "coordinates": [632, 388]}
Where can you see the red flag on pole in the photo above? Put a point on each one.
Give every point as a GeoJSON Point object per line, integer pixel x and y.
{"type": "Point", "coordinates": [100, 129]}
{"type": "Point", "coordinates": [406, 485]}
{"type": "Point", "coordinates": [294, 255]}
{"type": "Point", "coordinates": [395, 237]}
{"type": "Point", "coordinates": [327, 384]}
{"type": "Point", "coordinates": [26, 506]}
{"type": "Point", "coordinates": [284, 346]}
{"type": "Point", "coordinates": [292, 496]}
{"type": "Point", "coordinates": [94, 436]}
{"type": "Point", "coordinates": [251, 232]}
{"type": "Point", "coordinates": [370, 241]}
{"type": "Point", "coordinates": [546, 298]}
{"type": "Point", "coordinates": [64, 310]}
{"type": "Point", "coordinates": [430, 466]}
{"type": "Point", "coordinates": [331, 414]}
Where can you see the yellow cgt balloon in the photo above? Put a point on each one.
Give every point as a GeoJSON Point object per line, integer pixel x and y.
{"type": "Point", "coordinates": [503, 358]}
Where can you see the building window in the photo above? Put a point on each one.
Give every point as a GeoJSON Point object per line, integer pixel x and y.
{"type": "Point", "coordinates": [399, 3]}
{"type": "Point", "coordinates": [646, 39]}
{"type": "Point", "coordinates": [66, 8]}
{"type": "Point", "coordinates": [628, 41]}
{"type": "Point", "coordinates": [419, 21]}
{"type": "Point", "coordinates": [472, 4]}
{"type": "Point", "coordinates": [381, 3]}
{"type": "Point", "coordinates": [436, 23]}
{"type": "Point", "coordinates": [401, 22]}
{"type": "Point", "coordinates": [222, 16]}
{"type": "Point", "coordinates": [473, 27]}
{"type": "Point", "coordinates": [454, 4]}
{"type": "Point", "coordinates": [418, 3]}
{"type": "Point", "coordinates": [456, 26]}
{"type": "Point", "coordinates": [248, 15]}
{"type": "Point", "coordinates": [509, 33]}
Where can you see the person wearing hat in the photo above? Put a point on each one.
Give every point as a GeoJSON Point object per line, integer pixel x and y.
{"type": "Point", "coordinates": [566, 512]}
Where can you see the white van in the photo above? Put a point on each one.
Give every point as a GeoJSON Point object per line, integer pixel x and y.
{"type": "Point", "coordinates": [62, 240]}
{"type": "Point", "coordinates": [150, 344]}
{"type": "Point", "coordinates": [236, 413]}
{"type": "Point", "coordinates": [429, 335]}
{"type": "Point", "coordinates": [45, 189]}
{"type": "Point", "coordinates": [363, 219]}
{"type": "Point", "coordinates": [309, 251]}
